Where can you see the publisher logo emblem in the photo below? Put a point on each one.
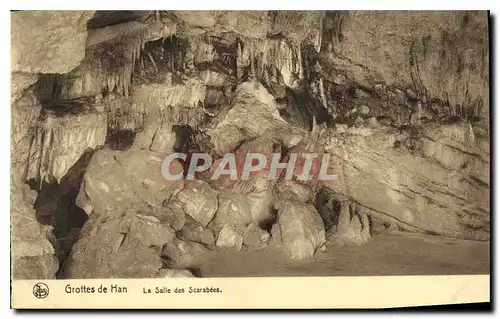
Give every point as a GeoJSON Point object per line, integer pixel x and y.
{"type": "Point", "coordinates": [40, 290]}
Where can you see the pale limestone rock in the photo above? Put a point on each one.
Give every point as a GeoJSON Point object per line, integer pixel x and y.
{"type": "Point", "coordinates": [183, 254]}
{"type": "Point", "coordinates": [229, 238]}
{"type": "Point", "coordinates": [403, 50]}
{"type": "Point", "coordinates": [199, 52]}
{"type": "Point", "coordinates": [117, 181]}
{"type": "Point", "coordinates": [113, 246]}
{"type": "Point", "coordinates": [352, 230]}
{"type": "Point", "coordinates": [194, 232]}
{"type": "Point", "coordinates": [293, 191]}
{"type": "Point", "coordinates": [299, 25]}
{"type": "Point", "coordinates": [165, 103]}
{"type": "Point", "coordinates": [441, 185]}
{"type": "Point", "coordinates": [174, 273]}
{"type": "Point", "coordinates": [252, 24]}
{"type": "Point", "coordinates": [280, 54]}
{"type": "Point", "coordinates": [48, 41]}
{"type": "Point", "coordinates": [19, 82]}
{"type": "Point", "coordinates": [204, 19]}
{"type": "Point", "coordinates": [160, 95]}
{"type": "Point", "coordinates": [155, 136]}
{"type": "Point", "coordinates": [164, 138]}
{"type": "Point", "coordinates": [255, 237]}
{"type": "Point", "coordinates": [364, 110]}
{"type": "Point", "coordinates": [372, 122]}
{"type": "Point", "coordinates": [362, 131]}
{"type": "Point", "coordinates": [33, 256]}
{"type": "Point", "coordinates": [199, 201]}
{"type": "Point", "coordinates": [59, 141]}
{"type": "Point", "coordinates": [123, 115]}
{"type": "Point", "coordinates": [25, 113]}
{"type": "Point", "coordinates": [428, 192]}
{"type": "Point", "coordinates": [35, 267]}
{"type": "Point", "coordinates": [234, 210]}
{"type": "Point", "coordinates": [215, 79]}
{"type": "Point", "coordinates": [276, 235]}
{"type": "Point", "coordinates": [302, 230]}
{"type": "Point", "coordinates": [150, 232]}
{"type": "Point", "coordinates": [252, 101]}
{"type": "Point", "coordinates": [172, 214]}
{"type": "Point", "coordinates": [261, 204]}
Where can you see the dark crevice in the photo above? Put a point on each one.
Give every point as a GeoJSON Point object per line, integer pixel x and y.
{"type": "Point", "coordinates": [184, 138]}
{"type": "Point", "coordinates": [120, 140]}
{"type": "Point", "coordinates": [56, 206]}
{"type": "Point", "coordinates": [196, 272]}
{"type": "Point", "coordinates": [267, 224]}
{"type": "Point", "coordinates": [103, 19]}
{"type": "Point", "coordinates": [328, 208]}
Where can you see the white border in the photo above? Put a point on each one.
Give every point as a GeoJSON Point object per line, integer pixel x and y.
{"type": "Point", "coordinates": [492, 5]}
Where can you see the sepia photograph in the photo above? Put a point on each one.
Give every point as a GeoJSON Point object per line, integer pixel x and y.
{"type": "Point", "coordinates": [247, 144]}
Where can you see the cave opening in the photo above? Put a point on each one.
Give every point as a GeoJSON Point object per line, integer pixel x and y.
{"type": "Point", "coordinates": [328, 207]}
{"type": "Point", "coordinates": [185, 139]}
{"type": "Point", "coordinates": [56, 205]}
{"type": "Point", "coordinates": [162, 57]}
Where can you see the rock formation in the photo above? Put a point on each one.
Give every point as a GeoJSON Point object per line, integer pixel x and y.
{"type": "Point", "coordinates": [399, 101]}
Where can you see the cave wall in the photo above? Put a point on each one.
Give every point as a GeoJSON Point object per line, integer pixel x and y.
{"type": "Point", "coordinates": [440, 56]}
{"type": "Point", "coordinates": [400, 99]}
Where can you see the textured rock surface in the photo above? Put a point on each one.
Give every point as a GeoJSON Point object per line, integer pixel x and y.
{"type": "Point", "coordinates": [19, 82]}
{"type": "Point", "coordinates": [412, 53]}
{"type": "Point", "coordinates": [252, 101]}
{"type": "Point", "coordinates": [255, 237]}
{"type": "Point", "coordinates": [118, 247]}
{"type": "Point", "coordinates": [199, 201]}
{"type": "Point", "coordinates": [440, 185]}
{"type": "Point", "coordinates": [25, 112]}
{"type": "Point", "coordinates": [229, 237]}
{"type": "Point", "coordinates": [117, 181]}
{"type": "Point", "coordinates": [292, 190]}
{"type": "Point", "coordinates": [234, 210]}
{"type": "Point", "coordinates": [183, 254]}
{"type": "Point", "coordinates": [33, 256]}
{"type": "Point", "coordinates": [172, 214]}
{"type": "Point", "coordinates": [352, 227]}
{"type": "Point", "coordinates": [174, 273]}
{"type": "Point", "coordinates": [399, 100]}
{"type": "Point", "coordinates": [157, 134]}
{"type": "Point", "coordinates": [194, 232]}
{"type": "Point", "coordinates": [59, 141]}
{"type": "Point", "coordinates": [48, 41]}
{"type": "Point", "coordinates": [302, 230]}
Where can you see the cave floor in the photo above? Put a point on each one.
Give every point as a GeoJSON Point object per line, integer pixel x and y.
{"type": "Point", "coordinates": [388, 254]}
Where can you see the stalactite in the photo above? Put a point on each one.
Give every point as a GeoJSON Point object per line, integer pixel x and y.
{"type": "Point", "coordinates": [322, 92]}
{"type": "Point", "coordinates": [60, 141]}
{"type": "Point", "coordinates": [252, 60]}
{"type": "Point", "coordinates": [301, 68]}
{"type": "Point", "coordinates": [319, 37]}
{"type": "Point", "coordinates": [239, 60]}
